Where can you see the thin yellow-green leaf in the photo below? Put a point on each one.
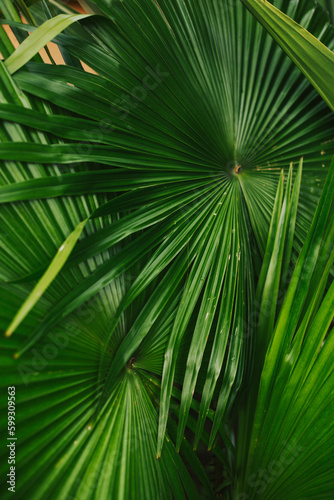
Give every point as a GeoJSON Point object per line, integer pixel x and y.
{"type": "Point", "coordinates": [49, 275]}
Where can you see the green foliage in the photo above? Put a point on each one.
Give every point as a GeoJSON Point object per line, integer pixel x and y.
{"type": "Point", "coordinates": [290, 417]}
{"type": "Point", "coordinates": [31, 45]}
{"type": "Point", "coordinates": [314, 59]}
{"type": "Point", "coordinates": [192, 301]}
{"type": "Point", "coordinates": [329, 8]}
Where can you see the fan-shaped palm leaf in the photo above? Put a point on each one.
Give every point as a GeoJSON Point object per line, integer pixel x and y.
{"type": "Point", "coordinates": [173, 150]}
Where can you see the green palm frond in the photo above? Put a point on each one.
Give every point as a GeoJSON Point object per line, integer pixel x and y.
{"type": "Point", "coordinates": [329, 8]}
{"type": "Point", "coordinates": [171, 157]}
{"type": "Point", "coordinates": [313, 58]}
{"type": "Point", "coordinates": [291, 441]}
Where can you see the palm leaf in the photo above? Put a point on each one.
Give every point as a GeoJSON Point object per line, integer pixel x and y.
{"type": "Point", "coordinates": [314, 59]}
{"type": "Point", "coordinates": [174, 152]}
{"type": "Point", "coordinates": [329, 7]}
{"type": "Point", "coordinates": [31, 45]}
{"type": "Point", "coordinates": [292, 410]}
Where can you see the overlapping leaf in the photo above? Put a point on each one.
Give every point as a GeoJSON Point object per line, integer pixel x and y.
{"type": "Point", "coordinates": [292, 436]}
{"type": "Point", "coordinates": [176, 145]}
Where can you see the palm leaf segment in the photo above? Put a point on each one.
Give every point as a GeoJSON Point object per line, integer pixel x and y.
{"type": "Point", "coordinates": [174, 152]}
{"type": "Point", "coordinates": [286, 432]}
